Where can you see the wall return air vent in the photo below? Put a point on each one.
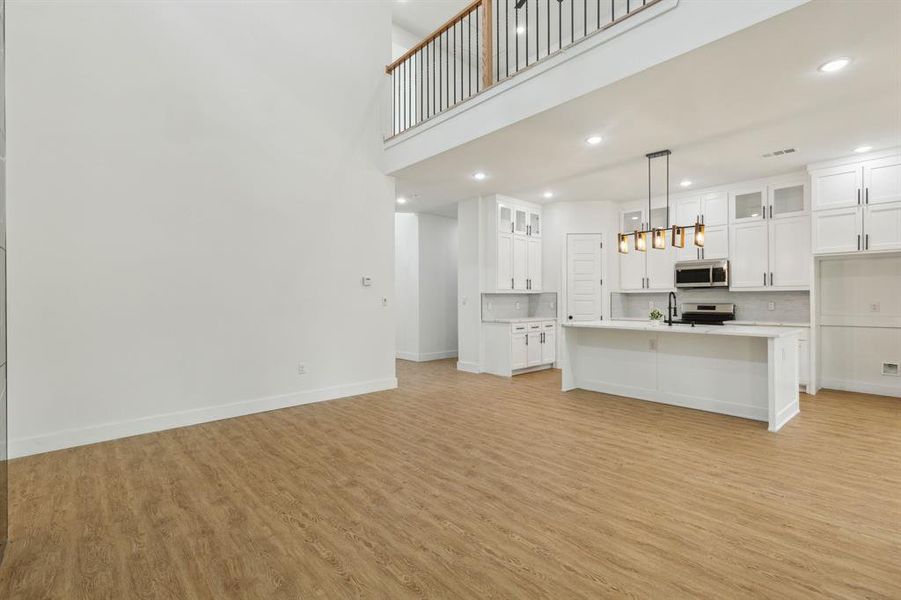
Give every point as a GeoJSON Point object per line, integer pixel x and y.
{"type": "Point", "coordinates": [780, 152]}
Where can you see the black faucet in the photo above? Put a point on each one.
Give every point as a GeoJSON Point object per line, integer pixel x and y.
{"type": "Point", "coordinates": [671, 308]}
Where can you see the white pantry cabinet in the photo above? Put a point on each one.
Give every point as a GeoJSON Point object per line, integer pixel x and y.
{"type": "Point", "coordinates": [515, 264]}
{"type": "Point", "coordinates": [771, 254]}
{"type": "Point", "coordinates": [857, 206]}
{"type": "Point", "coordinates": [520, 346]}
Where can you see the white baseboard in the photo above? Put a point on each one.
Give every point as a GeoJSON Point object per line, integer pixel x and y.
{"type": "Point", "coordinates": [120, 429]}
{"type": "Point", "coordinates": [850, 385]}
{"type": "Point", "coordinates": [426, 356]}
{"type": "Point", "coordinates": [469, 367]}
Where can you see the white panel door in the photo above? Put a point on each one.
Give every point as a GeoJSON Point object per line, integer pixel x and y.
{"type": "Point", "coordinates": [714, 209]}
{"type": "Point", "coordinates": [583, 277]}
{"type": "Point", "coordinates": [882, 180]}
{"type": "Point", "coordinates": [716, 242]}
{"type": "Point", "coordinates": [837, 230]}
{"type": "Point", "coordinates": [836, 187]}
{"type": "Point", "coordinates": [533, 348]}
{"type": "Point", "coordinates": [534, 264]}
{"type": "Point", "coordinates": [549, 347]}
{"type": "Point", "coordinates": [504, 261]}
{"type": "Point", "coordinates": [882, 226]}
{"type": "Point", "coordinates": [519, 355]}
{"type": "Point", "coordinates": [748, 255]}
{"type": "Point", "coordinates": [790, 252]}
{"type": "Point", "coordinates": [660, 269]}
{"type": "Point", "coordinates": [520, 261]}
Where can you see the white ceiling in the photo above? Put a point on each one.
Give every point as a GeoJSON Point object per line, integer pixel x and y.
{"type": "Point", "coordinates": [422, 17]}
{"type": "Point", "coordinates": [718, 108]}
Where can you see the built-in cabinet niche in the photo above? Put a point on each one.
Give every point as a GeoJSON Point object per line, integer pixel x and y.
{"type": "Point", "coordinates": [857, 206]}
{"type": "Point", "coordinates": [516, 264]}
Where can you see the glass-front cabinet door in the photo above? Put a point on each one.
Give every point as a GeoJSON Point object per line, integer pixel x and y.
{"type": "Point", "coordinates": [520, 221]}
{"type": "Point", "coordinates": [748, 205]}
{"type": "Point", "coordinates": [632, 220]}
{"type": "Point", "coordinates": [787, 201]}
{"type": "Point", "coordinates": [535, 224]}
{"type": "Point", "coordinates": [504, 218]}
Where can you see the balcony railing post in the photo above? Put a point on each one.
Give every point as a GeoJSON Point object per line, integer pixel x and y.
{"type": "Point", "coordinates": [487, 36]}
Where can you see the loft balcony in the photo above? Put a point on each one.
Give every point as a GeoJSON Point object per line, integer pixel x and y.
{"type": "Point", "coordinates": [497, 62]}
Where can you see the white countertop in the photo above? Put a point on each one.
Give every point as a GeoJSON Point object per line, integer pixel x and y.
{"type": "Point", "coordinates": [737, 322]}
{"type": "Point", "coordinates": [520, 320]}
{"type": "Point", "coordinates": [733, 330]}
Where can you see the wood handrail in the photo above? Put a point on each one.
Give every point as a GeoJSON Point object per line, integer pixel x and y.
{"type": "Point", "coordinates": [474, 5]}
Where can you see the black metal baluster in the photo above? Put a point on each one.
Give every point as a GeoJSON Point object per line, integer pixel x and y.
{"type": "Point", "coordinates": [454, 58]}
{"type": "Point", "coordinates": [527, 33]}
{"type": "Point", "coordinates": [516, 33]}
{"type": "Point", "coordinates": [584, 18]}
{"type": "Point", "coordinates": [548, 5]}
{"type": "Point", "coordinates": [507, 36]}
{"type": "Point", "coordinates": [612, 10]}
{"type": "Point", "coordinates": [478, 52]}
{"type": "Point", "coordinates": [497, 39]}
{"type": "Point", "coordinates": [469, 34]}
{"type": "Point", "coordinates": [572, 21]}
{"type": "Point", "coordinates": [447, 83]}
{"type": "Point", "coordinates": [537, 30]}
{"type": "Point", "coordinates": [559, 24]}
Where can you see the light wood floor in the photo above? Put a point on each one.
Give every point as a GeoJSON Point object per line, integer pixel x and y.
{"type": "Point", "coordinates": [471, 486]}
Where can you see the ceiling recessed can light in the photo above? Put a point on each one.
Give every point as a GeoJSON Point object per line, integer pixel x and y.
{"type": "Point", "coordinates": [834, 65]}
{"type": "Point", "coordinates": [401, 200]}
{"type": "Point", "coordinates": [862, 149]}
{"type": "Point", "coordinates": [479, 176]}
{"type": "Point", "coordinates": [685, 182]}
{"type": "Point", "coordinates": [520, 30]}
{"type": "Point", "coordinates": [593, 140]}
{"type": "Point", "coordinates": [548, 194]}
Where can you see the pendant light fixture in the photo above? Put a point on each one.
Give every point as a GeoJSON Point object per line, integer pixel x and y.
{"type": "Point", "coordinates": [658, 234]}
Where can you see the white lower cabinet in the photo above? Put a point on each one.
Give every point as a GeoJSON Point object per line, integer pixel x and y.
{"type": "Point", "coordinates": [512, 347]}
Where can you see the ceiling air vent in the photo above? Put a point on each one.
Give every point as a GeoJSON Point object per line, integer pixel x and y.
{"type": "Point", "coordinates": [779, 152]}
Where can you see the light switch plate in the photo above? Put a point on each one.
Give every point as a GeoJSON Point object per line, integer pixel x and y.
{"type": "Point", "coordinates": [771, 306]}
{"type": "Point", "coordinates": [367, 281]}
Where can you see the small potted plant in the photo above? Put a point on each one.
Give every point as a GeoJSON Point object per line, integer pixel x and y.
{"type": "Point", "coordinates": [656, 317]}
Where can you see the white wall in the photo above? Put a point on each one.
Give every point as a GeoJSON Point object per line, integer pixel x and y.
{"type": "Point", "coordinates": [426, 265]}
{"type": "Point", "coordinates": [195, 193]}
{"type": "Point", "coordinates": [437, 287]}
{"type": "Point", "coordinates": [860, 316]}
{"type": "Point", "coordinates": [561, 218]}
{"type": "Point", "coordinates": [406, 283]}
{"type": "Point", "coordinates": [469, 226]}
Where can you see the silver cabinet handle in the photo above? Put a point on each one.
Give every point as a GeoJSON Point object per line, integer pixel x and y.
{"type": "Point", "coordinates": [858, 196]}
{"type": "Point", "coordinates": [527, 339]}
{"type": "Point", "coordinates": [512, 283]}
{"type": "Point", "coordinates": [764, 279]}
{"type": "Point", "coordinates": [858, 241]}
{"type": "Point", "coordinates": [866, 245]}
{"type": "Point", "coordinates": [867, 196]}
{"type": "Point", "coordinates": [771, 278]}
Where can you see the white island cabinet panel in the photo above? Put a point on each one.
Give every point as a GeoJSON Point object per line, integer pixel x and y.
{"type": "Point", "coordinates": [743, 371]}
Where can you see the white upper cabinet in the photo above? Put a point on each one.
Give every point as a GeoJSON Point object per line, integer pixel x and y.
{"type": "Point", "coordinates": [714, 209]}
{"type": "Point", "coordinates": [747, 205]}
{"type": "Point", "coordinates": [716, 242]}
{"type": "Point", "coordinates": [882, 226]}
{"type": "Point", "coordinates": [789, 241]}
{"type": "Point", "coordinates": [504, 218]}
{"type": "Point", "coordinates": [632, 269]}
{"type": "Point", "coordinates": [660, 269]}
{"type": "Point", "coordinates": [837, 230]}
{"type": "Point", "coordinates": [882, 180]}
{"type": "Point", "coordinates": [520, 221]}
{"type": "Point", "coordinates": [857, 207]}
{"type": "Point", "coordinates": [632, 220]}
{"type": "Point", "coordinates": [659, 218]}
{"type": "Point", "coordinates": [534, 223]}
{"type": "Point", "coordinates": [787, 201]}
{"type": "Point", "coordinates": [688, 210]}
{"type": "Point", "coordinates": [748, 255]}
{"type": "Point", "coordinates": [517, 257]}
{"type": "Point", "coordinates": [837, 187]}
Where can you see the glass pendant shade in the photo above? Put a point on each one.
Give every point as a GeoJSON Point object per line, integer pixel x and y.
{"type": "Point", "coordinates": [699, 235]}
{"type": "Point", "coordinates": [678, 237]}
{"type": "Point", "coordinates": [641, 241]}
{"type": "Point", "coordinates": [623, 243]}
{"type": "Point", "coordinates": [659, 239]}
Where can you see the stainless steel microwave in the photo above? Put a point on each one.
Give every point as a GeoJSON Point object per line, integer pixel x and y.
{"type": "Point", "coordinates": [702, 273]}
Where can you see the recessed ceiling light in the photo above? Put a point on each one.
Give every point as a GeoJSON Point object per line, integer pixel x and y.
{"type": "Point", "coordinates": [594, 140]}
{"type": "Point", "coordinates": [835, 65]}
{"type": "Point", "coordinates": [401, 200]}
{"type": "Point", "coordinates": [548, 195]}
{"type": "Point", "coordinates": [520, 30]}
{"type": "Point", "coordinates": [685, 182]}
{"type": "Point", "coordinates": [862, 149]}
{"type": "Point", "coordinates": [479, 176]}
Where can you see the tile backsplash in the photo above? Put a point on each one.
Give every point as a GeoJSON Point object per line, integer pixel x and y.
{"type": "Point", "coordinates": [517, 306]}
{"type": "Point", "coordinates": [789, 307]}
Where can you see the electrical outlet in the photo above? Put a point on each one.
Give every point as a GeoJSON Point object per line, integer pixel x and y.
{"type": "Point", "coordinates": [463, 301]}
{"type": "Point", "coordinates": [517, 305]}
{"type": "Point", "coordinates": [650, 304]}
{"type": "Point", "coordinates": [771, 306]}
{"type": "Point", "coordinates": [874, 307]}
{"type": "Point", "coordinates": [652, 344]}
{"type": "Point", "coordinates": [384, 301]}
{"type": "Point", "coordinates": [301, 369]}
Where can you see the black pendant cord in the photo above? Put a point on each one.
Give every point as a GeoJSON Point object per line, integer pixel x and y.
{"type": "Point", "coordinates": [667, 191]}
{"type": "Point", "coordinates": [649, 191]}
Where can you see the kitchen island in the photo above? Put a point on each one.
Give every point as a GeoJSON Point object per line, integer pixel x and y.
{"type": "Point", "coordinates": [743, 371]}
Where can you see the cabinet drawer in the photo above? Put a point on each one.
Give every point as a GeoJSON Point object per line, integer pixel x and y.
{"type": "Point", "coordinates": [534, 326]}
{"type": "Point", "coordinates": [518, 328]}
{"type": "Point", "coordinates": [549, 324]}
